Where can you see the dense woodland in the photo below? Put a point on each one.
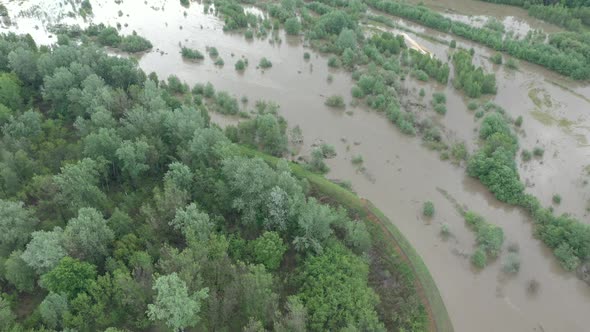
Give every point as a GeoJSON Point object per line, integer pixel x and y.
{"type": "Point", "coordinates": [123, 207]}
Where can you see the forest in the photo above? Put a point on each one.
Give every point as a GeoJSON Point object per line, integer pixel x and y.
{"type": "Point", "coordinates": [123, 207]}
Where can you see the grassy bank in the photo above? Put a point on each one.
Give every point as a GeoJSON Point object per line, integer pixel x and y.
{"type": "Point", "coordinates": [384, 232]}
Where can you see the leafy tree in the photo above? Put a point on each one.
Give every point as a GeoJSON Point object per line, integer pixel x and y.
{"type": "Point", "coordinates": [78, 186]}
{"type": "Point", "coordinates": [88, 236]}
{"type": "Point", "coordinates": [133, 157]}
{"type": "Point", "coordinates": [428, 209]}
{"type": "Point", "coordinates": [18, 273]}
{"type": "Point", "coordinates": [174, 305]}
{"type": "Point", "coordinates": [7, 317]}
{"type": "Point", "coordinates": [45, 250]}
{"type": "Point", "coordinates": [314, 226]}
{"type": "Point", "coordinates": [52, 310]}
{"type": "Point", "coordinates": [10, 92]}
{"type": "Point", "coordinates": [24, 63]}
{"type": "Point", "coordinates": [16, 225]}
{"type": "Point", "coordinates": [346, 40]}
{"type": "Point", "coordinates": [335, 292]}
{"type": "Point", "coordinates": [268, 249]}
{"type": "Point", "coordinates": [69, 277]}
{"type": "Point", "coordinates": [193, 223]}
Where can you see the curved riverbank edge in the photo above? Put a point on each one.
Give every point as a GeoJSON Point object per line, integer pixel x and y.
{"type": "Point", "coordinates": [382, 230]}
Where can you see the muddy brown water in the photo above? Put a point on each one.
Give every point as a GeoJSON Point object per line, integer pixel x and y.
{"type": "Point", "coordinates": [400, 173]}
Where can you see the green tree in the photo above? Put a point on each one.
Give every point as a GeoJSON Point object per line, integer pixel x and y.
{"type": "Point", "coordinates": [16, 225]}
{"type": "Point", "coordinates": [24, 63]}
{"type": "Point", "coordinates": [134, 158]}
{"type": "Point", "coordinates": [88, 236]}
{"type": "Point", "coordinates": [10, 94]}
{"type": "Point", "coordinates": [193, 223]}
{"type": "Point", "coordinates": [173, 305]}
{"type": "Point", "coordinates": [18, 273]}
{"type": "Point", "coordinates": [7, 317]}
{"type": "Point", "coordinates": [52, 310]}
{"type": "Point", "coordinates": [69, 277]}
{"type": "Point", "coordinates": [336, 294]}
{"type": "Point", "coordinates": [78, 186]}
{"type": "Point", "coordinates": [346, 39]}
{"type": "Point", "coordinates": [45, 250]}
{"type": "Point", "coordinates": [268, 249]}
{"type": "Point", "coordinates": [314, 226]}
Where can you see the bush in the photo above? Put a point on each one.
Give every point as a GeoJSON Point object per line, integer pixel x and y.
{"type": "Point", "coordinates": [240, 65]}
{"type": "Point", "coordinates": [479, 258]}
{"type": "Point", "coordinates": [512, 63]}
{"type": "Point", "coordinates": [453, 44]}
{"type": "Point", "coordinates": [445, 230]}
{"type": "Point", "coordinates": [479, 114]}
{"type": "Point", "coordinates": [192, 54]}
{"type": "Point", "coordinates": [213, 52]}
{"type": "Point", "coordinates": [556, 198]}
{"type": "Point", "coordinates": [135, 43]}
{"type": "Point", "coordinates": [249, 34]}
{"type": "Point", "coordinates": [472, 106]}
{"type": "Point", "coordinates": [334, 62]}
{"type": "Point", "coordinates": [226, 104]}
{"type": "Point", "coordinates": [497, 58]}
{"type": "Point", "coordinates": [422, 92]}
{"type": "Point", "coordinates": [428, 209]}
{"type": "Point", "coordinates": [317, 164]}
{"type": "Point", "coordinates": [566, 256]}
{"type": "Point", "coordinates": [511, 263]}
{"type": "Point", "coordinates": [439, 98]}
{"type": "Point", "coordinates": [328, 150]}
{"type": "Point", "coordinates": [219, 62]}
{"type": "Point", "coordinates": [357, 92]}
{"type": "Point", "coordinates": [538, 151]}
{"type": "Point", "coordinates": [265, 63]}
{"type": "Point", "coordinates": [292, 26]}
{"type": "Point", "coordinates": [526, 155]}
{"type": "Point", "coordinates": [440, 109]}
{"type": "Point", "coordinates": [335, 101]}
{"type": "Point", "coordinates": [306, 56]}
{"type": "Point", "coordinates": [357, 160]}
{"type": "Point", "coordinates": [518, 121]}
{"type": "Point", "coordinates": [420, 75]}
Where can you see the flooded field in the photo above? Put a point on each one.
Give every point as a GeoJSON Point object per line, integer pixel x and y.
{"type": "Point", "coordinates": [399, 172]}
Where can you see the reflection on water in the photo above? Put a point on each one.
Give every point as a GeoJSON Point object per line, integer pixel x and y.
{"type": "Point", "coordinates": [403, 173]}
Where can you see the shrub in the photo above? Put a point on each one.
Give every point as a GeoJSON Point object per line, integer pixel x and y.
{"type": "Point", "coordinates": [566, 256]}
{"type": "Point", "coordinates": [518, 121]}
{"type": "Point", "coordinates": [511, 263]}
{"type": "Point", "coordinates": [317, 164]}
{"type": "Point", "coordinates": [335, 101]}
{"type": "Point", "coordinates": [292, 26]}
{"type": "Point", "coordinates": [219, 62]}
{"type": "Point", "coordinates": [357, 92]}
{"type": "Point", "coordinates": [109, 36]}
{"type": "Point", "coordinates": [306, 56]}
{"type": "Point", "coordinates": [357, 160]}
{"type": "Point", "coordinates": [497, 58]}
{"type": "Point", "coordinates": [420, 74]}
{"type": "Point", "coordinates": [479, 258]}
{"type": "Point", "coordinates": [479, 114]}
{"type": "Point", "coordinates": [526, 155]}
{"type": "Point", "coordinates": [445, 229]}
{"type": "Point", "coordinates": [213, 52]}
{"type": "Point", "coordinates": [249, 34]}
{"type": "Point", "coordinates": [226, 103]}
{"type": "Point", "coordinates": [556, 198]}
{"type": "Point", "coordinates": [428, 209]}
{"type": "Point", "coordinates": [422, 92]}
{"type": "Point", "coordinates": [192, 54]}
{"type": "Point", "coordinates": [135, 43]}
{"type": "Point", "coordinates": [538, 151]}
{"type": "Point", "coordinates": [459, 151]}
{"type": "Point", "coordinates": [240, 65]}
{"type": "Point", "coordinates": [533, 286]}
{"type": "Point", "coordinates": [440, 109]}
{"type": "Point", "coordinates": [439, 98]}
{"type": "Point", "coordinates": [209, 90]}
{"type": "Point", "coordinates": [512, 63]}
{"type": "Point", "coordinates": [472, 106]}
{"type": "Point", "coordinates": [334, 62]}
{"type": "Point", "coordinates": [453, 44]}
{"type": "Point", "coordinates": [185, 3]}
{"type": "Point", "coordinates": [265, 63]}
{"type": "Point", "coordinates": [328, 150]}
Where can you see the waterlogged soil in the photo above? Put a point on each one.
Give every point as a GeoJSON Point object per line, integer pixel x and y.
{"type": "Point", "coordinates": [399, 173]}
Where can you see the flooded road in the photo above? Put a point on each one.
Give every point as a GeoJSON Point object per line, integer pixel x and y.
{"type": "Point", "coordinates": [400, 173]}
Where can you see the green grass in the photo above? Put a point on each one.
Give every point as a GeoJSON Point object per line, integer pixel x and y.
{"type": "Point", "coordinates": [354, 204]}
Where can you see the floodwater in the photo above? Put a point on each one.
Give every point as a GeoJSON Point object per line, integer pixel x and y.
{"type": "Point", "coordinates": [399, 172]}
